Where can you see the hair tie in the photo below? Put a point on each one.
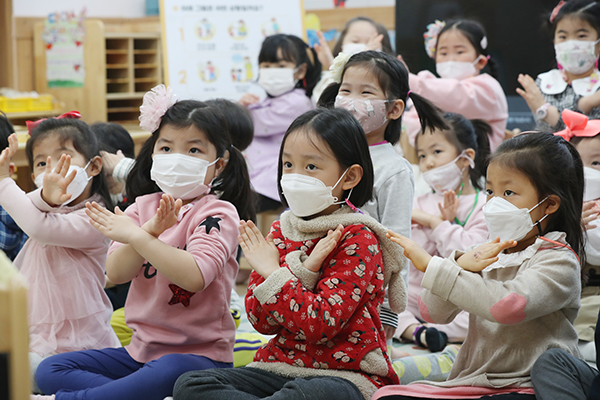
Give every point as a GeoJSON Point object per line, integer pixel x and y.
{"type": "Point", "coordinates": [154, 106]}
{"type": "Point", "coordinates": [353, 207]}
{"type": "Point", "coordinates": [556, 10]}
{"type": "Point", "coordinates": [69, 115]}
{"type": "Point", "coordinates": [408, 93]}
{"type": "Point", "coordinates": [431, 36]}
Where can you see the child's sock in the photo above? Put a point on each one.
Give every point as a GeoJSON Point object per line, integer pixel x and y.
{"type": "Point", "coordinates": [41, 397]}
{"type": "Point", "coordinates": [430, 338]}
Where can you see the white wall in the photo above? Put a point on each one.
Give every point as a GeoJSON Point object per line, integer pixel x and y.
{"type": "Point", "coordinates": [95, 8]}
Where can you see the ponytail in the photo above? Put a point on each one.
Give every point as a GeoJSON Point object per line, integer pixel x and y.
{"type": "Point", "coordinates": [430, 117]}
{"type": "Point", "coordinates": [233, 185]}
{"type": "Point", "coordinates": [483, 131]}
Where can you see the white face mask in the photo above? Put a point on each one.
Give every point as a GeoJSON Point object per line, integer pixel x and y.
{"type": "Point", "coordinates": [456, 69]}
{"type": "Point", "coordinates": [306, 195]}
{"type": "Point", "coordinates": [576, 56]}
{"type": "Point", "coordinates": [277, 81]}
{"type": "Point", "coordinates": [76, 187]}
{"type": "Point", "coordinates": [591, 189]}
{"type": "Point", "coordinates": [179, 175]}
{"type": "Point", "coordinates": [448, 176]}
{"type": "Point", "coordinates": [353, 48]}
{"type": "Point", "coordinates": [506, 221]}
{"type": "Point", "coordinates": [116, 198]}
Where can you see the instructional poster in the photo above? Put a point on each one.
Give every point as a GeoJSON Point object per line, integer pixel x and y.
{"type": "Point", "coordinates": [212, 46]}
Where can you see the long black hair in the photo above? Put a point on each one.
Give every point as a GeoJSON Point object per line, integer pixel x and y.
{"type": "Point", "coordinates": [293, 49]}
{"type": "Point", "coordinates": [341, 132]}
{"type": "Point", "coordinates": [113, 137]}
{"type": "Point", "coordinates": [553, 167]}
{"type": "Point", "coordinates": [84, 142]}
{"type": "Point", "coordinates": [386, 45]}
{"type": "Point", "coordinates": [475, 33]}
{"type": "Point", "coordinates": [393, 80]}
{"type": "Point", "coordinates": [239, 122]}
{"type": "Point", "coordinates": [469, 134]}
{"type": "Point", "coordinates": [232, 184]}
{"type": "Point", "coordinates": [587, 10]}
{"type": "Point", "coordinates": [6, 129]}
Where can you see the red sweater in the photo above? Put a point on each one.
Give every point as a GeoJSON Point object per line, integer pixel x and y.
{"type": "Point", "coordinates": [331, 321]}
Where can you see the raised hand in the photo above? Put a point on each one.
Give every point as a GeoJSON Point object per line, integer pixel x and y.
{"type": "Point", "coordinates": [110, 161]}
{"type": "Point", "coordinates": [248, 99]}
{"type": "Point", "coordinates": [165, 217]}
{"type": "Point", "coordinates": [530, 92]}
{"type": "Point", "coordinates": [484, 255]}
{"type": "Point", "coordinates": [324, 53]}
{"type": "Point", "coordinates": [261, 254]}
{"type": "Point", "coordinates": [415, 253]}
{"type": "Point", "coordinates": [421, 217]}
{"type": "Point", "coordinates": [450, 206]}
{"type": "Point", "coordinates": [323, 248]}
{"type": "Point", "coordinates": [118, 226]}
{"type": "Point", "coordinates": [54, 190]}
{"type": "Point", "coordinates": [6, 168]}
{"type": "Point", "coordinates": [375, 42]}
{"type": "Point", "coordinates": [589, 213]}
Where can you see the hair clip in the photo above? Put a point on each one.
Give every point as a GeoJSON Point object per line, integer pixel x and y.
{"type": "Point", "coordinates": [484, 43]}
{"type": "Point", "coordinates": [154, 106]}
{"type": "Point", "coordinates": [337, 68]}
{"type": "Point", "coordinates": [431, 36]}
{"type": "Point", "coordinates": [556, 10]}
{"type": "Point", "coordinates": [69, 115]}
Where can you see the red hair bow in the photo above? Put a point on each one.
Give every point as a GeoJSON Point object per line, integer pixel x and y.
{"type": "Point", "coordinates": [578, 125]}
{"type": "Point", "coordinates": [70, 114]}
{"type": "Point", "coordinates": [556, 10]}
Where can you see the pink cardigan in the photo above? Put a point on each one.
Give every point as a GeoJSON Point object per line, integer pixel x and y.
{"type": "Point", "coordinates": [63, 261]}
{"type": "Point", "coordinates": [167, 319]}
{"type": "Point", "coordinates": [479, 97]}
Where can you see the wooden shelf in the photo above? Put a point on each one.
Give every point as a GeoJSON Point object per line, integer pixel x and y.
{"type": "Point", "coordinates": [145, 65]}
{"type": "Point", "coordinates": [118, 80]}
{"type": "Point", "coordinates": [125, 96]}
{"type": "Point", "coordinates": [116, 51]}
{"type": "Point", "coordinates": [122, 109]}
{"type": "Point", "coordinates": [117, 66]}
{"type": "Point", "coordinates": [145, 51]}
{"type": "Point", "coordinates": [32, 114]}
{"type": "Point", "coordinates": [140, 80]}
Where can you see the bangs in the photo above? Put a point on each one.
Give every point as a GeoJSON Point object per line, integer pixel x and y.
{"type": "Point", "coordinates": [376, 67]}
{"type": "Point", "coordinates": [278, 44]}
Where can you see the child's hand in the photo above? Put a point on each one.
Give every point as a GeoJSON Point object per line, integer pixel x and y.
{"type": "Point", "coordinates": [262, 255]}
{"type": "Point", "coordinates": [530, 92]}
{"type": "Point", "coordinates": [375, 42]}
{"type": "Point", "coordinates": [421, 217]}
{"type": "Point", "coordinates": [485, 255]}
{"type": "Point", "coordinates": [6, 168]}
{"type": "Point", "coordinates": [54, 189]}
{"type": "Point", "coordinates": [110, 161]}
{"type": "Point", "coordinates": [450, 206]}
{"type": "Point", "coordinates": [118, 226]}
{"type": "Point", "coordinates": [248, 99]}
{"type": "Point", "coordinates": [323, 248]}
{"type": "Point", "coordinates": [589, 213]}
{"type": "Point", "coordinates": [415, 253]}
{"type": "Point", "coordinates": [165, 217]}
{"type": "Point", "coordinates": [324, 53]}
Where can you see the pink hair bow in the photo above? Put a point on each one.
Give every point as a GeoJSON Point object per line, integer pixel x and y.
{"type": "Point", "coordinates": [556, 10]}
{"type": "Point", "coordinates": [32, 124]}
{"type": "Point", "coordinates": [578, 125]}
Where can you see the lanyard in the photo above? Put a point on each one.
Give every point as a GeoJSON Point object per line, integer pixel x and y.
{"type": "Point", "coordinates": [472, 209]}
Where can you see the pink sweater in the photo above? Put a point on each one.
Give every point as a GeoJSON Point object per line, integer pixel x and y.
{"type": "Point", "coordinates": [167, 319]}
{"type": "Point", "coordinates": [479, 97]}
{"type": "Point", "coordinates": [441, 241]}
{"type": "Point", "coordinates": [63, 262]}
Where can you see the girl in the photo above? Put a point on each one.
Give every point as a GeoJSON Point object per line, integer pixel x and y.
{"type": "Point", "coordinates": [460, 50]}
{"type": "Point", "coordinates": [289, 70]}
{"type": "Point", "coordinates": [359, 34]}
{"type": "Point", "coordinates": [374, 87]}
{"type": "Point", "coordinates": [521, 289]}
{"type": "Point", "coordinates": [575, 26]}
{"type": "Point", "coordinates": [178, 248]}
{"type": "Point", "coordinates": [318, 279]}
{"type": "Point", "coordinates": [454, 163]}
{"type": "Point", "coordinates": [64, 259]}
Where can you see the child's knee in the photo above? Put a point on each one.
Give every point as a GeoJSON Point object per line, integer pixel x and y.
{"type": "Point", "coordinates": [189, 384]}
{"type": "Point", "coordinates": [44, 375]}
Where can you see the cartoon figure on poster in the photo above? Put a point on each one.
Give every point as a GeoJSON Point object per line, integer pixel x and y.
{"type": "Point", "coordinates": [270, 27]}
{"type": "Point", "coordinates": [64, 34]}
{"type": "Point", "coordinates": [238, 30]}
{"type": "Point", "coordinates": [241, 71]}
{"type": "Point", "coordinates": [208, 72]}
{"type": "Point", "coordinates": [205, 30]}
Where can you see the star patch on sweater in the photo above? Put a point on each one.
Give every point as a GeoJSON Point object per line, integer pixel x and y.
{"type": "Point", "coordinates": [180, 295]}
{"type": "Point", "coordinates": [211, 222]}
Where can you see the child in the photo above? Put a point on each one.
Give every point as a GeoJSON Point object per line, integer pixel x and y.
{"type": "Point", "coordinates": [289, 70]}
{"type": "Point", "coordinates": [575, 26]}
{"type": "Point", "coordinates": [359, 34]}
{"type": "Point", "coordinates": [12, 238]}
{"type": "Point", "coordinates": [178, 248]}
{"type": "Point", "coordinates": [521, 289]}
{"type": "Point", "coordinates": [454, 163]}
{"type": "Point", "coordinates": [374, 87]}
{"type": "Point", "coordinates": [460, 50]}
{"type": "Point", "coordinates": [64, 259]}
{"type": "Point", "coordinates": [585, 136]}
{"type": "Point", "coordinates": [318, 280]}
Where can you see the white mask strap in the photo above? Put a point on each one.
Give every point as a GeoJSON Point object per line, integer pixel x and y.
{"type": "Point", "coordinates": [466, 157]}
{"type": "Point", "coordinates": [336, 200]}
{"type": "Point", "coordinates": [534, 207]}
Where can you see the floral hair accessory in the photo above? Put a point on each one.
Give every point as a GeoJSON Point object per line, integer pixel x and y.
{"type": "Point", "coordinates": [483, 43]}
{"type": "Point", "coordinates": [68, 115]}
{"type": "Point", "coordinates": [155, 104]}
{"type": "Point", "coordinates": [556, 10]}
{"type": "Point", "coordinates": [337, 68]}
{"type": "Point", "coordinates": [431, 36]}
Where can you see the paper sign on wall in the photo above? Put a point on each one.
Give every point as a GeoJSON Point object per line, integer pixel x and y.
{"type": "Point", "coordinates": [64, 34]}
{"type": "Point", "coordinates": [212, 46]}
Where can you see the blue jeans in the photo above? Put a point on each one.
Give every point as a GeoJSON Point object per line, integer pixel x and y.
{"type": "Point", "coordinates": [110, 374]}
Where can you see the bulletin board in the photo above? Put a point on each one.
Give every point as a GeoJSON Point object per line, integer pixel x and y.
{"type": "Point", "coordinates": [211, 47]}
